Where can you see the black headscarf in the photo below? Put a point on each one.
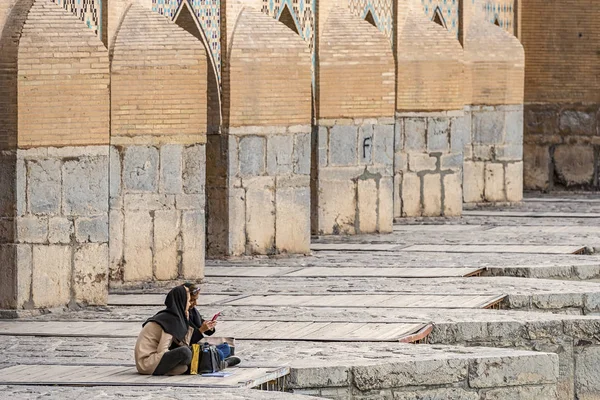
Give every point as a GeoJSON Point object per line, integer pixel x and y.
{"type": "Point", "coordinates": [172, 319]}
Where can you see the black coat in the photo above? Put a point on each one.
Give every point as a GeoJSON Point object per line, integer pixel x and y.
{"type": "Point", "coordinates": [196, 321]}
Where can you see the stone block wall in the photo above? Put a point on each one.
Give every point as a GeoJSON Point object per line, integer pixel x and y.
{"type": "Point", "coordinates": [493, 168]}
{"type": "Point", "coordinates": [269, 190]}
{"type": "Point", "coordinates": [157, 196]}
{"type": "Point", "coordinates": [57, 253]}
{"type": "Point", "coordinates": [428, 163]}
{"type": "Point", "coordinates": [353, 176]}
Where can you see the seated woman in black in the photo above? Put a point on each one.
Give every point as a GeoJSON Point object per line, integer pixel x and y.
{"type": "Point", "coordinates": [162, 347]}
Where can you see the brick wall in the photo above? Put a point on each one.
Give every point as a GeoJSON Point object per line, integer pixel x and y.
{"type": "Point", "coordinates": [356, 68]}
{"type": "Point", "coordinates": [158, 80]}
{"type": "Point", "coordinates": [430, 68]}
{"type": "Point", "coordinates": [264, 78]}
{"type": "Point", "coordinates": [63, 81]}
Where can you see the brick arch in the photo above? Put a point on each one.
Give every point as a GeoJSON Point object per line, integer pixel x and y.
{"type": "Point", "coordinates": [63, 81]}
{"type": "Point", "coordinates": [267, 76]}
{"type": "Point", "coordinates": [430, 69]}
{"type": "Point", "coordinates": [158, 79]}
{"type": "Point", "coordinates": [187, 20]}
{"type": "Point", "coordinates": [494, 62]}
{"type": "Point", "coordinates": [355, 70]}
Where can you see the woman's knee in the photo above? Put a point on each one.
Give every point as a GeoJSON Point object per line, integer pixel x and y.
{"type": "Point", "coordinates": [186, 354]}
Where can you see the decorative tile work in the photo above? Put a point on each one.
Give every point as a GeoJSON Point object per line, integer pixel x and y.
{"type": "Point", "coordinates": [382, 11]}
{"type": "Point", "coordinates": [208, 13]}
{"type": "Point", "coordinates": [88, 11]}
{"type": "Point", "coordinates": [502, 13]}
{"type": "Point", "coordinates": [302, 11]}
{"type": "Point", "coordinates": [448, 10]}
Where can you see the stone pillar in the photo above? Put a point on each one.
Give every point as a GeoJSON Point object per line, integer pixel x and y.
{"type": "Point", "coordinates": [355, 176]}
{"type": "Point", "coordinates": [54, 181]}
{"type": "Point", "coordinates": [158, 151]}
{"type": "Point", "coordinates": [353, 141]}
{"type": "Point", "coordinates": [429, 163]}
{"type": "Point", "coordinates": [494, 77]}
{"type": "Point", "coordinates": [259, 198]}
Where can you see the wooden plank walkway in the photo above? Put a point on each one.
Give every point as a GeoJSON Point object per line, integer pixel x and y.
{"type": "Point", "coordinates": [243, 330]}
{"type": "Point", "coordinates": [433, 272]}
{"type": "Point", "coordinates": [439, 228]}
{"type": "Point", "coordinates": [527, 214]}
{"type": "Point", "coordinates": [438, 301]}
{"type": "Point", "coordinates": [583, 229]}
{"type": "Point", "coordinates": [80, 375]}
{"type": "Point", "coordinates": [159, 299]}
{"type": "Point", "coordinates": [354, 247]}
{"type": "Point", "coordinates": [247, 271]}
{"type": "Point", "coordinates": [494, 248]}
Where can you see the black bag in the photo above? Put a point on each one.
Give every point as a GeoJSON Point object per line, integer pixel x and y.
{"type": "Point", "coordinates": [205, 359]}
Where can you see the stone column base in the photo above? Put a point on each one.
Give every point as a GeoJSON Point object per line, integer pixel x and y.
{"type": "Point", "coordinates": [353, 177]}
{"type": "Point", "coordinates": [428, 163]}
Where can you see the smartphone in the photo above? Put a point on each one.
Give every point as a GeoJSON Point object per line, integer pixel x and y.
{"type": "Point", "coordinates": [214, 318]}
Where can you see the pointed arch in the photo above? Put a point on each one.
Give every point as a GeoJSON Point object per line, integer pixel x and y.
{"type": "Point", "coordinates": [438, 18]}
{"type": "Point", "coordinates": [286, 18]}
{"type": "Point", "coordinates": [187, 19]}
{"type": "Point", "coordinates": [370, 18]}
{"type": "Point", "coordinates": [497, 21]}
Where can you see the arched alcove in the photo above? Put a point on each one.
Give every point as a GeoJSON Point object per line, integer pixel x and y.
{"type": "Point", "coordinates": [370, 19]}
{"type": "Point", "coordinates": [286, 18]}
{"type": "Point", "coordinates": [438, 18]}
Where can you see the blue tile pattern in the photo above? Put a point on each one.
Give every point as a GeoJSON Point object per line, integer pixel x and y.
{"type": "Point", "coordinates": [88, 11]}
{"type": "Point", "coordinates": [448, 10]}
{"type": "Point", "coordinates": [382, 11]}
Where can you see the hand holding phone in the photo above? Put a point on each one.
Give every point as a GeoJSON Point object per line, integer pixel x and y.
{"type": "Point", "coordinates": [214, 318]}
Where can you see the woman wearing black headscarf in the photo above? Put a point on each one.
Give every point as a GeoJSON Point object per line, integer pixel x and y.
{"type": "Point", "coordinates": [162, 345]}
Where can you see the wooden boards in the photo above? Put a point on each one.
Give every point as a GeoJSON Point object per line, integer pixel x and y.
{"type": "Point", "coordinates": [354, 247]}
{"type": "Point", "coordinates": [494, 248]}
{"type": "Point", "coordinates": [527, 214]}
{"type": "Point", "coordinates": [159, 299]}
{"type": "Point", "coordinates": [81, 375]}
{"type": "Point", "coordinates": [243, 330]}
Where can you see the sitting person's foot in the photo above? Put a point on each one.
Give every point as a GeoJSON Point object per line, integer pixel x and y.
{"type": "Point", "coordinates": [232, 361]}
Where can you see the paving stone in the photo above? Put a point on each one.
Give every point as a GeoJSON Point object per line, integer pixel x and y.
{"type": "Point", "coordinates": [171, 168]}
{"type": "Point", "coordinates": [44, 186]}
{"type": "Point", "coordinates": [252, 155]}
{"type": "Point", "coordinates": [342, 145]}
{"type": "Point", "coordinates": [140, 168]}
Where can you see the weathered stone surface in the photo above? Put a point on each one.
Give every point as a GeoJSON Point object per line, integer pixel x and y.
{"type": "Point", "coordinates": [411, 195]}
{"type": "Point", "coordinates": [194, 238]}
{"type": "Point", "coordinates": [432, 195]}
{"type": "Point", "coordinates": [367, 205]}
{"type": "Point", "coordinates": [10, 185]}
{"type": "Point", "coordinates": [337, 207]}
{"type": "Point", "coordinates": [115, 180]}
{"type": "Point", "coordinates": [237, 221]}
{"type": "Point", "coordinates": [44, 186]}
{"type": "Point", "coordinates": [521, 393]}
{"type": "Point", "coordinates": [90, 279]}
{"type": "Point", "coordinates": [137, 250]}
{"type": "Point", "coordinates": [400, 162]}
{"type": "Point", "coordinates": [514, 128]}
{"type": "Point", "coordinates": [512, 152]}
{"type": "Point", "coordinates": [85, 186]}
{"type": "Point", "coordinates": [60, 230]}
{"type": "Point", "coordinates": [514, 181]}
{"type": "Point", "coordinates": [252, 155]}
{"type": "Point", "coordinates": [494, 182]}
{"type": "Point", "coordinates": [437, 394]}
{"type": "Point", "coordinates": [586, 372]}
{"type": "Point", "coordinates": [453, 161]}
{"type": "Point", "coordinates": [473, 181]}
{"type": "Point", "coordinates": [574, 164]}
{"type": "Point", "coordinates": [396, 375]}
{"type": "Point", "coordinates": [513, 371]}
{"type": "Point", "coordinates": [8, 273]}
{"type": "Point", "coordinates": [438, 132]}
{"type": "Point", "coordinates": [166, 230]}
{"type": "Point", "coordinates": [460, 133]}
{"type": "Point", "coordinates": [418, 162]}
{"type": "Point", "coordinates": [279, 155]}
{"type": "Point", "coordinates": [92, 230]}
{"type": "Point", "coordinates": [383, 144]}
{"type": "Point", "coordinates": [194, 169]}
{"type": "Point", "coordinates": [24, 265]}
{"type": "Point", "coordinates": [488, 127]}
{"type": "Point", "coordinates": [453, 195]}
{"type": "Point", "coordinates": [171, 168]}
{"type": "Point", "coordinates": [536, 160]}
{"type": "Point", "coordinates": [366, 144]}
{"type": "Point", "coordinates": [292, 220]}
{"type": "Point", "coordinates": [140, 168]}
{"type": "Point", "coordinates": [115, 228]}
{"type": "Point", "coordinates": [578, 122]}
{"type": "Point", "coordinates": [415, 131]}
{"type": "Point", "coordinates": [386, 205]}
{"type": "Point", "coordinates": [51, 277]}
{"type": "Point", "coordinates": [322, 146]}
{"type": "Point", "coordinates": [302, 155]}
{"type": "Point", "coordinates": [32, 229]}
{"type": "Point", "coordinates": [315, 377]}
{"type": "Point", "coordinates": [260, 215]}
{"type": "Point", "coordinates": [148, 201]}
{"type": "Point", "coordinates": [342, 145]}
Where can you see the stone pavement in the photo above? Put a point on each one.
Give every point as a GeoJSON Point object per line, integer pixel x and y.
{"type": "Point", "coordinates": [539, 342]}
